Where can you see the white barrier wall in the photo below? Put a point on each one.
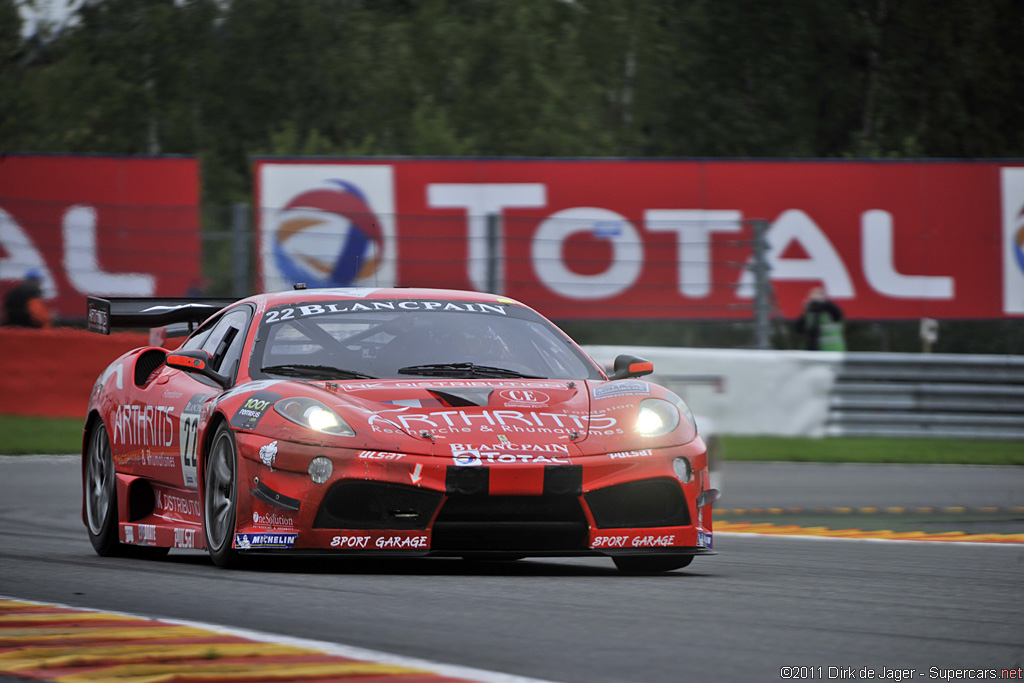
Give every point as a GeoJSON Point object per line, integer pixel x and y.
{"type": "Point", "coordinates": [747, 392]}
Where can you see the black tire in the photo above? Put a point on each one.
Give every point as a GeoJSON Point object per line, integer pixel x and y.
{"type": "Point", "coordinates": [100, 491]}
{"type": "Point", "coordinates": [220, 498]}
{"type": "Point", "coordinates": [651, 564]}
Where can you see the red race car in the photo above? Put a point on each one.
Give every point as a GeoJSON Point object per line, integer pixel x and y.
{"type": "Point", "coordinates": [388, 422]}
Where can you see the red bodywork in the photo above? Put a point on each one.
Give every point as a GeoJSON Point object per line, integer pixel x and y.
{"type": "Point", "coordinates": [530, 441]}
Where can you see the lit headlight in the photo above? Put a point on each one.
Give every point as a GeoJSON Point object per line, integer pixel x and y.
{"type": "Point", "coordinates": [313, 414]}
{"type": "Point", "coordinates": [656, 417]}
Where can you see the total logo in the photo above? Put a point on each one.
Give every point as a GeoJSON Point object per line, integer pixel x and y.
{"type": "Point", "coordinates": [1017, 239]}
{"type": "Point", "coordinates": [333, 226]}
{"type": "Point", "coordinates": [1013, 240]}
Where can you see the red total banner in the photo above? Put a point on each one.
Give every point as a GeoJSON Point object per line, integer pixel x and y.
{"type": "Point", "coordinates": [655, 239]}
{"type": "Point", "coordinates": [100, 225]}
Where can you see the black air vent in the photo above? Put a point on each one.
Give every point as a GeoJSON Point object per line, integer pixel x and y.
{"type": "Point", "coordinates": [376, 505]}
{"type": "Point", "coordinates": [146, 364]}
{"type": "Point", "coordinates": [510, 523]}
{"type": "Point", "coordinates": [647, 503]}
{"type": "Point", "coordinates": [141, 500]}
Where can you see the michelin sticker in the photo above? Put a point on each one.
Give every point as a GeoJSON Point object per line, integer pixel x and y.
{"type": "Point", "coordinates": [268, 453]}
{"type": "Point", "coordinates": [268, 540]}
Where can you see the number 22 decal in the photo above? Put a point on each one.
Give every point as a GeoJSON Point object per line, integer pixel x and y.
{"type": "Point", "coordinates": [188, 438]}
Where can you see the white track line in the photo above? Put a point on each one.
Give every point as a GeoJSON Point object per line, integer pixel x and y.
{"type": "Point", "coordinates": [750, 534]}
{"type": "Point", "coordinates": [352, 652]}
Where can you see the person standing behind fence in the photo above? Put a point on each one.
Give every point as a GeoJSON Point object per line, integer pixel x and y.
{"type": "Point", "coordinates": [24, 306]}
{"type": "Point", "coordinates": [821, 323]}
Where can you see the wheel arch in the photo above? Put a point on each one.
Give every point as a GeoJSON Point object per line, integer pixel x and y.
{"type": "Point", "coordinates": [216, 420]}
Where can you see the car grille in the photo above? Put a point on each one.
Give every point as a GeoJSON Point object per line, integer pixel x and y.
{"type": "Point", "coordinates": [376, 505]}
{"type": "Point", "coordinates": [646, 503]}
{"type": "Point", "coordinates": [510, 523]}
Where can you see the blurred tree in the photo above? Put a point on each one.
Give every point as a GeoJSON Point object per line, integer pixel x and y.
{"type": "Point", "coordinates": [226, 79]}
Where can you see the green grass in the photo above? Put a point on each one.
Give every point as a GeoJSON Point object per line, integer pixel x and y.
{"type": "Point", "coordinates": [19, 435]}
{"type": "Point", "coordinates": [868, 450]}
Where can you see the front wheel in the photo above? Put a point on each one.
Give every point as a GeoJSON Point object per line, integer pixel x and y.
{"type": "Point", "coordinates": [651, 564]}
{"type": "Point", "coordinates": [221, 498]}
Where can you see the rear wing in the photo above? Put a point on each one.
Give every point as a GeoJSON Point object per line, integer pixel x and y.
{"type": "Point", "coordinates": [150, 311]}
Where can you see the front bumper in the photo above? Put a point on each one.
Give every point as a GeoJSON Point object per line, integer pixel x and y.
{"type": "Point", "coordinates": [403, 504]}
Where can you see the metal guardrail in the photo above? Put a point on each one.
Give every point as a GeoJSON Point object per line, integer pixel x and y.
{"type": "Point", "coordinates": [940, 395]}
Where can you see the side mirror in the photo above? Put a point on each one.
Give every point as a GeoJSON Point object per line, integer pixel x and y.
{"type": "Point", "coordinates": [198, 362]}
{"type": "Point", "coordinates": [631, 366]}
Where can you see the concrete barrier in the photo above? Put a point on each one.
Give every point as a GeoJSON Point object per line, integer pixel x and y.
{"type": "Point", "coordinates": [784, 393]}
{"type": "Point", "coordinates": [807, 393]}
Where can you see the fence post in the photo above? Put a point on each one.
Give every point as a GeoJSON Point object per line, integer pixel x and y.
{"type": "Point", "coordinates": [762, 286]}
{"type": "Point", "coordinates": [493, 266]}
{"type": "Point", "coordinates": [240, 250]}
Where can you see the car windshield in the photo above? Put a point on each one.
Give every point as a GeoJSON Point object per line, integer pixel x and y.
{"type": "Point", "coordinates": [410, 339]}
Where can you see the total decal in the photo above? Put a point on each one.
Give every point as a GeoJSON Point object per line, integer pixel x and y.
{"type": "Point", "coordinates": [250, 541]}
{"type": "Point", "coordinates": [488, 420]}
{"type": "Point", "coordinates": [381, 542]}
{"type": "Point", "coordinates": [328, 225]}
{"type": "Point", "coordinates": [467, 456]}
{"type": "Point", "coordinates": [635, 541]}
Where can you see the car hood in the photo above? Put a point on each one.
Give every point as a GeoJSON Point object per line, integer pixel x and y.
{"type": "Point", "coordinates": [444, 417]}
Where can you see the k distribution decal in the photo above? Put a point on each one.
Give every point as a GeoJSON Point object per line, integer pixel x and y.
{"type": "Point", "coordinates": [1013, 239]}
{"type": "Point", "coordinates": [327, 225]}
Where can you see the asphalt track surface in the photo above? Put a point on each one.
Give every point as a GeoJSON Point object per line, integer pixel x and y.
{"type": "Point", "coordinates": [763, 603]}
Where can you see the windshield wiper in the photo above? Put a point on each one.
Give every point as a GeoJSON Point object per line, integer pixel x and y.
{"type": "Point", "coordinates": [460, 370]}
{"type": "Point", "coordinates": [314, 371]}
